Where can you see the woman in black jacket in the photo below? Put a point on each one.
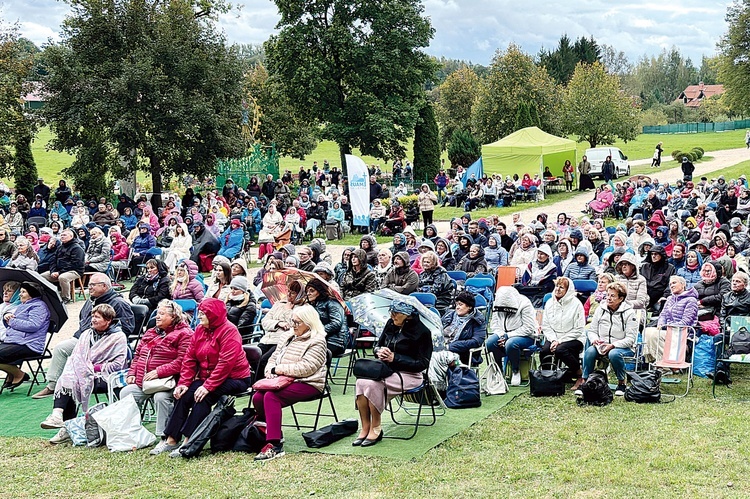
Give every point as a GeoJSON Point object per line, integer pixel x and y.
{"type": "Point", "coordinates": [152, 287]}
{"type": "Point", "coordinates": [434, 279]}
{"type": "Point", "coordinates": [406, 347]}
{"type": "Point", "coordinates": [331, 314]}
{"type": "Point", "coordinates": [241, 310]}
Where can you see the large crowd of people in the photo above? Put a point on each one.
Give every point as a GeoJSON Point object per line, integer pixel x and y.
{"type": "Point", "coordinates": [678, 258]}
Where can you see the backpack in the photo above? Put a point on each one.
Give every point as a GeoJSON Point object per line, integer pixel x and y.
{"type": "Point", "coordinates": [229, 431]}
{"type": "Point", "coordinates": [644, 387]}
{"type": "Point", "coordinates": [463, 388]}
{"type": "Point", "coordinates": [596, 390]}
{"type": "Point", "coordinates": [494, 381]}
{"type": "Point", "coordinates": [740, 343]}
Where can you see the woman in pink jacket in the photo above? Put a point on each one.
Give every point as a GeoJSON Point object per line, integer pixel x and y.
{"type": "Point", "coordinates": [184, 285]}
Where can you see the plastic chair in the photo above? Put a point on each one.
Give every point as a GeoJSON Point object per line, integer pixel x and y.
{"type": "Point", "coordinates": [585, 285]}
{"type": "Point", "coordinates": [457, 275]}
{"type": "Point", "coordinates": [485, 276]}
{"type": "Point", "coordinates": [675, 350]}
{"type": "Point", "coordinates": [426, 299]}
{"type": "Point", "coordinates": [480, 305]}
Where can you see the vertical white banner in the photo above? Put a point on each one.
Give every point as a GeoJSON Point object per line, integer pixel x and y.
{"type": "Point", "coordinates": [359, 190]}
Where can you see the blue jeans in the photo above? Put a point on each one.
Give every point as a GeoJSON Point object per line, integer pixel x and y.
{"type": "Point", "coordinates": [512, 349]}
{"type": "Point", "coordinates": [440, 194]}
{"type": "Point", "coordinates": [615, 357]}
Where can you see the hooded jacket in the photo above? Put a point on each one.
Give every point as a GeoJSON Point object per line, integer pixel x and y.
{"type": "Point", "coordinates": [513, 314]}
{"type": "Point", "coordinates": [497, 256]}
{"type": "Point", "coordinates": [193, 290]}
{"type": "Point", "coordinates": [97, 254]}
{"type": "Point", "coordinates": [636, 284]}
{"type": "Point", "coordinates": [143, 242]}
{"type": "Point", "coordinates": [538, 274]}
{"type": "Point", "coordinates": [404, 279]}
{"type": "Point", "coordinates": [710, 294]}
{"type": "Point", "coordinates": [657, 274]}
{"type": "Point", "coordinates": [473, 266]}
{"type": "Point", "coordinates": [560, 262]}
{"type": "Point", "coordinates": [241, 310]}
{"type": "Point", "coordinates": [215, 353]}
{"type": "Point", "coordinates": [372, 253]}
{"type": "Point", "coordinates": [619, 328]}
{"type": "Point", "coordinates": [464, 245]}
{"type": "Point", "coordinates": [680, 310]}
{"type": "Point", "coordinates": [472, 335]}
{"type": "Point", "coordinates": [734, 303]}
{"type": "Point", "coordinates": [564, 320]}
{"type": "Point", "coordinates": [576, 271]}
{"type": "Point", "coordinates": [439, 283]}
{"type": "Point", "coordinates": [356, 283]}
{"type": "Point", "coordinates": [204, 243]}
{"type": "Point", "coordinates": [161, 350]}
{"type": "Point", "coordinates": [231, 242]}
{"type": "Point", "coordinates": [153, 290]}
{"type": "Point", "coordinates": [447, 261]}
{"type": "Point", "coordinates": [120, 248]}
{"type": "Point", "coordinates": [693, 276]}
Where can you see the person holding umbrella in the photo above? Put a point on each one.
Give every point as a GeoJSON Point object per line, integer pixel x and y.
{"type": "Point", "coordinates": [25, 333]}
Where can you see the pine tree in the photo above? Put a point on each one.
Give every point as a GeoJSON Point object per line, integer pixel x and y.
{"type": "Point", "coordinates": [25, 173]}
{"type": "Point", "coordinates": [426, 144]}
{"type": "Point", "coordinates": [463, 149]}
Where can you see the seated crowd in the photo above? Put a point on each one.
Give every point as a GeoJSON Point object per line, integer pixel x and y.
{"type": "Point", "coordinates": [670, 268]}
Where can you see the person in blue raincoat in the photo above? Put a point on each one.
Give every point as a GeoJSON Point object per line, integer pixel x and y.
{"type": "Point", "coordinates": [231, 240]}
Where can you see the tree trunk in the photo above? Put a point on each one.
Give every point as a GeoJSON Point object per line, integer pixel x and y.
{"type": "Point", "coordinates": [344, 149]}
{"type": "Point", "coordinates": [156, 182]}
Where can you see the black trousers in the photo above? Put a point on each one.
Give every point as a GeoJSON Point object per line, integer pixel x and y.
{"type": "Point", "coordinates": [568, 352]}
{"type": "Point", "coordinates": [68, 404]}
{"type": "Point", "coordinates": [267, 350]}
{"type": "Point", "coordinates": [183, 421]}
{"type": "Point", "coordinates": [427, 216]}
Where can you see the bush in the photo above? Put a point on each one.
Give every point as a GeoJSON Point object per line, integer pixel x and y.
{"type": "Point", "coordinates": [698, 153]}
{"type": "Point", "coordinates": [409, 201]}
{"type": "Point", "coordinates": [691, 156]}
{"type": "Point", "coordinates": [463, 149]}
{"type": "Point", "coordinates": [703, 151]}
{"type": "Point", "coordinates": [677, 155]}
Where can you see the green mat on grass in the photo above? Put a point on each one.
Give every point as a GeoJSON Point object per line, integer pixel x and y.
{"type": "Point", "coordinates": [22, 415]}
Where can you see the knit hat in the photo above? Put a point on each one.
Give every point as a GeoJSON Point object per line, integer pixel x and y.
{"type": "Point", "coordinates": [239, 282]}
{"type": "Point", "coordinates": [319, 286]}
{"type": "Point", "coordinates": [236, 222]}
{"type": "Point", "coordinates": [219, 259]}
{"type": "Point", "coordinates": [735, 222]}
{"type": "Point", "coordinates": [466, 298]}
{"type": "Point", "coordinates": [324, 267]}
{"type": "Point", "coordinates": [32, 289]}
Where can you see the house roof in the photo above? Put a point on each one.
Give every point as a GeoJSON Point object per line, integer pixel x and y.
{"type": "Point", "coordinates": [693, 94]}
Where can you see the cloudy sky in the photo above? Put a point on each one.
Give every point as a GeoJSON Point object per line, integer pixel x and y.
{"type": "Point", "coordinates": [474, 29]}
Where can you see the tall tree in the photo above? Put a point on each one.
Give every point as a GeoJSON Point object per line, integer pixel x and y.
{"type": "Point", "coordinates": [734, 66]}
{"type": "Point", "coordinates": [561, 62]}
{"type": "Point", "coordinates": [355, 68]}
{"type": "Point", "coordinates": [463, 148]}
{"type": "Point", "coordinates": [456, 98]}
{"type": "Point", "coordinates": [25, 173]}
{"type": "Point", "coordinates": [595, 108]}
{"type": "Point", "coordinates": [155, 80]}
{"type": "Point", "coordinates": [661, 78]}
{"type": "Point", "coordinates": [426, 144]}
{"type": "Point", "coordinates": [708, 72]}
{"type": "Point", "coordinates": [614, 61]}
{"type": "Point", "coordinates": [513, 78]}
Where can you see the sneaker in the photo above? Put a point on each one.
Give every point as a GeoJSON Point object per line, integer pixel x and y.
{"type": "Point", "coordinates": [44, 393]}
{"type": "Point", "coordinates": [162, 447]}
{"type": "Point", "coordinates": [515, 380]}
{"type": "Point", "coordinates": [175, 453]}
{"type": "Point", "coordinates": [53, 421]}
{"type": "Point", "coordinates": [270, 452]}
{"type": "Point", "coordinates": [620, 390]}
{"type": "Point", "coordinates": [61, 436]}
{"type": "Point", "coordinates": [578, 393]}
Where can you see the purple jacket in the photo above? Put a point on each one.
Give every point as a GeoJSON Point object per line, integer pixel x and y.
{"type": "Point", "coordinates": [29, 325]}
{"type": "Point", "coordinates": [680, 310]}
{"type": "Point", "coordinates": [194, 289]}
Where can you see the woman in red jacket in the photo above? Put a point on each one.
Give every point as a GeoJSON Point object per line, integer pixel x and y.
{"type": "Point", "coordinates": [214, 365]}
{"type": "Point", "coordinates": [120, 251]}
{"type": "Point", "coordinates": [158, 356]}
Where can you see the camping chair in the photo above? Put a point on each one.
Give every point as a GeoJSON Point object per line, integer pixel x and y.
{"type": "Point", "coordinates": [190, 307]}
{"type": "Point", "coordinates": [585, 285]}
{"type": "Point", "coordinates": [457, 275]}
{"type": "Point", "coordinates": [675, 350]}
{"type": "Point", "coordinates": [35, 361]}
{"type": "Point", "coordinates": [426, 299]}
{"type": "Point", "coordinates": [118, 271]}
{"type": "Point", "coordinates": [424, 395]}
{"type": "Point", "coordinates": [325, 394]}
{"type": "Point", "coordinates": [350, 353]}
{"type": "Point", "coordinates": [253, 355]}
{"type": "Point", "coordinates": [141, 316]}
{"type": "Point", "coordinates": [506, 276]}
{"type": "Point", "coordinates": [735, 324]}
{"type": "Point", "coordinates": [40, 221]}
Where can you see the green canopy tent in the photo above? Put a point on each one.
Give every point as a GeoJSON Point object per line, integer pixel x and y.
{"type": "Point", "coordinates": [528, 150]}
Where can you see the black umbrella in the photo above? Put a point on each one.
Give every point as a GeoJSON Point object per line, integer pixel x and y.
{"type": "Point", "coordinates": [58, 313]}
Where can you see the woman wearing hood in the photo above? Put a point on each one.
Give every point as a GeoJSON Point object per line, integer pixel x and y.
{"type": "Point", "coordinates": [657, 220]}
{"type": "Point", "coordinates": [384, 266]}
{"type": "Point", "coordinates": [24, 258]}
{"type": "Point", "coordinates": [691, 271]}
{"type": "Point", "coordinates": [369, 245]}
{"type": "Point", "coordinates": [522, 253]}
{"type": "Point", "coordinates": [426, 202]}
{"type": "Point", "coordinates": [402, 278]}
{"type": "Point", "coordinates": [443, 250]}
{"type": "Point", "coordinates": [33, 238]}
{"type": "Point", "coordinates": [494, 254]}
{"type": "Point", "coordinates": [399, 243]}
{"type": "Point", "coordinates": [101, 350]}
{"type": "Point", "coordinates": [538, 278]}
{"type": "Point", "coordinates": [619, 240]}
{"type": "Point", "coordinates": [128, 218]}
{"type": "Point", "coordinates": [564, 256]}
{"type": "Point", "coordinates": [214, 365]}
{"type": "Point", "coordinates": [719, 247]}
{"type": "Point", "coordinates": [185, 286]}
{"type": "Point", "coordinates": [14, 219]}
{"type": "Point", "coordinates": [598, 246]}
{"type": "Point", "coordinates": [180, 247]}
{"type": "Point", "coordinates": [635, 283]}
{"type": "Point", "coordinates": [680, 309]}
{"type": "Point", "coordinates": [563, 324]}
{"type": "Point", "coordinates": [657, 271]}
{"type": "Point", "coordinates": [431, 233]}
{"type": "Point", "coordinates": [513, 328]}
{"type": "Point", "coordinates": [358, 278]}
{"type": "Point", "coordinates": [580, 268]}
{"type": "Point", "coordinates": [80, 217]}
{"type": "Point", "coordinates": [424, 246]}
{"type": "Point", "coordinates": [212, 226]}
{"type": "Point", "coordinates": [464, 245]}
{"type": "Point", "coordinates": [152, 287]}
{"type": "Point", "coordinates": [473, 263]}
{"type": "Point", "coordinates": [603, 201]}
{"type": "Point", "coordinates": [98, 251]}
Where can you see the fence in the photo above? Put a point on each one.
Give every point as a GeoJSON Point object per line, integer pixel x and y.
{"type": "Point", "coordinates": [698, 127]}
{"type": "Point", "coordinates": [261, 161]}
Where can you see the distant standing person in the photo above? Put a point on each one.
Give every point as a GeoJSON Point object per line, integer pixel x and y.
{"type": "Point", "coordinates": [608, 169]}
{"type": "Point", "coordinates": [656, 162]}
{"type": "Point", "coordinates": [687, 169]}
{"type": "Point", "coordinates": [747, 139]}
{"type": "Point", "coordinates": [585, 182]}
{"type": "Point", "coordinates": [568, 173]}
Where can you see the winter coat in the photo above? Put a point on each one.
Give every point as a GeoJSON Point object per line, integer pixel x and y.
{"type": "Point", "coordinates": [120, 248]}
{"type": "Point", "coordinates": [46, 257]}
{"type": "Point", "coordinates": [619, 328]}
{"type": "Point", "coordinates": [472, 335]}
{"type": "Point", "coordinates": [241, 312]}
{"type": "Point", "coordinates": [279, 312]}
{"type": "Point", "coordinates": [204, 243]}
{"type": "Point", "coordinates": [372, 253]}
{"type": "Point", "coordinates": [636, 284]}
{"type": "Point", "coordinates": [123, 313]}
{"type": "Point", "coordinates": [161, 350]}
{"type": "Point", "coordinates": [69, 257]}
{"type": "Point", "coordinates": [447, 261]}
{"type": "Point", "coordinates": [710, 295]}
{"type": "Point", "coordinates": [152, 290]}
{"type": "Point", "coordinates": [733, 304]}
{"type": "Point", "coordinates": [215, 353]}
{"type": "Point", "coordinates": [657, 275]}
{"type": "Point", "coordinates": [513, 314]}
{"type": "Point", "coordinates": [403, 280]}
{"type": "Point", "coordinates": [680, 310]}
{"type": "Point", "coordinates": [439, 283]}
{"type": "Point", "coordinates": [356, 283]}
{"type": "Point", "coordinates": [473, 266]}
{"type": "Point", "coordinates": [193, 290]}
{"type": "Point", "coordinates": [537, 274]}
{"type": "Point", "coordinates": [497, 256]}
{"type": "Point", "coordinates": [29, 325]}
{"type": "Point", "coordinates": [576, 271]}
{"type": "Point", "coordinates": [301, 357]}
{"type": "Point", "coordinates": [333, 317]}
{"type": "Point", "coordinates": [426, 200]}
{"type": "Point", "coordinates": [563, 320]}
{"type": "Point", "coordinates": [97, 254]}
{"type": "Point", "coordinates": [142, 243]}
{"type": "Point", "coordinates": [231, 242]}
{"type": "Point", "coordinates": [411, 345]}
{"type": "Point", "coordinates": [23, 262]}
{"type": "Point", "coordinates": [692, 277]}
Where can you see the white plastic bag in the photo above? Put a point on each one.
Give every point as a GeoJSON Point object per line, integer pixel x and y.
{"type": "Point", "coordinates": [492, 380]}
{"type": "Point", "coordinates": [121, 422]}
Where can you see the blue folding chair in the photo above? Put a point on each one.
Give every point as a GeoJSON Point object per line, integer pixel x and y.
{"type": "Point", "coordinates": [485, 276]}
{"type": "Point", "coordinates": [426, 299]}
{"type": "Point", "coordinates": [585, 285]}
{"type": "Point", "coordinates": [457, 275]}
{"type": "Point", "coordinates": [480, 305]}
{"type": "Point", "coordinates": [189, 307]}
{"type": "Point", "coordinates": [546, 299]}
{"type": "Point", "coordinates": [610, 230]}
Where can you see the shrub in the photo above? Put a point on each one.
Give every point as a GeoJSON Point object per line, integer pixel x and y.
{"type": "Point", "coordinates": [691, 156]}
{"type": "Point", "coordinates": [463, 149]}
{"type": "Point", "coordinates": [698, 153]}
{"type": "Point", "coordinates": [677, 155]}
{"type": "Point", "coordinates": [408, 201]}
{"type": "Point", "coordinates": [703, 151]}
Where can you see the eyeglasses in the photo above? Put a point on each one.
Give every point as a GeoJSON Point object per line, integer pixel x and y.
{"type": "Point", "coordinates": [296, 323]}
{"type": "Point", "coordinates": [92, 284]}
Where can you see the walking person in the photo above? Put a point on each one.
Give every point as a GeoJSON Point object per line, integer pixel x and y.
{"type": "Point", "coordinates": [568, 173]}
{"type": "Point", "coordinates": [656, 162]}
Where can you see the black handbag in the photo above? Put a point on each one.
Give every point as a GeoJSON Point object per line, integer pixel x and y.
{"type": "Point", "coordinates": [207, 428]}
{"type": "Point", "coordinates": [371, 369]}
{"type": "Point", "coordinates": [463, 388]}
{"type": "Point", "coordinates": [645, 387]}
{"type": "Point", "coordinates": [327, 435]}
{"type": "Point", "coordinates": [547, 382]}
{"type": "Point", "coordinates": [595, 390]}
{"type": "Point", "coordinates": [228, 433]}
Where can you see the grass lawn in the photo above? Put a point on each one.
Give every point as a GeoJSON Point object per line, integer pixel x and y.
{"type": "Point", "coordinates": [542, 447]}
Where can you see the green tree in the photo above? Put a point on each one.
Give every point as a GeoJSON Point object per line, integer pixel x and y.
{"type": "Point", "coordinates": [355, 68]}
{"type": "Point", "coordinates": [280, 122]}
{"type": "Point", "coordinates": [15, 125]}
{"type": "Point", "coordinates": [734, 65]}
{"type": "Point", "coordinates": [660, 79]}
{"type": "Point", "coordinates": [595, 108]}
{"type": "Point", "coordinates": [513, 78]}
{"type": "Point", "coordinates": [526, 115]}
{"type": "Point", "coordinates": [25, 173]}
{"type": "Point", "coordinates": [561, 62]}
{"type": "Point", "coordinates": [94, 167]}
{"type": "Point", "coordinates": [708, 72]}
{"type": "Point", "coordinates": [154, 80]}
{"type": "Point", "coordinates": [456, 97]}
{"type": "Point", "coordinates": [463, 148]}
{"type": "Point", "coordinates": [426, 144]}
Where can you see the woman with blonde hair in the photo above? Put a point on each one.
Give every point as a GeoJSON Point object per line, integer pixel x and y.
{"type": "Point", "coordinates": [301, 358]}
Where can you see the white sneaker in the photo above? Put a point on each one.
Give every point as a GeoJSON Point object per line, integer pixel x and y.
{"type": "Point", "coordinates": [53, 421]}
{"type": "Point", "coordinates": [515, 380]}
{"type": "Point", "coordinates": [175, 453]}
{"type": "Point", "coordinates": [61, 436]}
{"type": "Point", "coordinates": [578, 393]}
{"type": "Point", "coordinates": [161, 447]}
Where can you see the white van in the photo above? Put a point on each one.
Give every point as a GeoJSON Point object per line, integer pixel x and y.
{"type": "Point", "coordinates": [598, 155]}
